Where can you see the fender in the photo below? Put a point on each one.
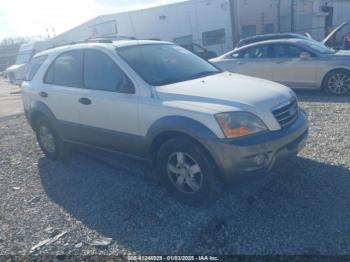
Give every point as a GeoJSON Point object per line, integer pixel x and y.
{"type": "Point", "coordinates": [42, 108]}
{"type": "Point", "coordinates": [187, 126]}
{"type": "Point", "coordinates": [181, 124]}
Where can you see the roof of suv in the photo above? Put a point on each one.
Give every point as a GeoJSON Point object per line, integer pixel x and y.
{"type": "Point", "coordinates": [115, 44]}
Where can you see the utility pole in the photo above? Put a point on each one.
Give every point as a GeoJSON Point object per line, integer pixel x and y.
{"type": "Point", "coordinates": [235, 21]}
{"type": "Point", "coordinates": [279, 16]}
{"type": "Point", "coordinates": [292, 15]}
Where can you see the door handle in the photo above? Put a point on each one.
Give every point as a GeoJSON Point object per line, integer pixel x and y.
{"type": "Point", "coordinates": [240, 63]}
{"type": "Point", "coordinates": [43, 94]}
{"type": "Point", "coordinates": [84, 101]}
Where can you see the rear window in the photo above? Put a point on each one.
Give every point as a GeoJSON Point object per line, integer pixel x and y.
{"type": "Point", "coordinates": [33, 67]}
{"type": "Point", "coordinates": [66, 70]}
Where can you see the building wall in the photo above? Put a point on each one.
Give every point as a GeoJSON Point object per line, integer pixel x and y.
{"type": "Point", "coordinates": [341, 10]}
{"type": "Point", "coordinates": [215, 24]}
{"type": "Point", "coordinates": [8, 55]}
{"type": "Point", "coordinates": [272, 16]}
{"type": "Point", "coordinates": [258, 17]}
{"type": "Point", "coordinates": [190, 19]}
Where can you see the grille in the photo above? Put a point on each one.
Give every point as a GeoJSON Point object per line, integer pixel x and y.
{"type": "Point", "coordinates": [288, 114]}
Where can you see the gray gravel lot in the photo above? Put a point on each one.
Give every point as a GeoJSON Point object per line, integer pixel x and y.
{"type": "Point", "coordinates": [301, 208]}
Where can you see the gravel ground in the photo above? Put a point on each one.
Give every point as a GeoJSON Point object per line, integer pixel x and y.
{"type": "Point", "coordinates": [10, 99]}
{"type": "Point", "coordinates": [302, 208]}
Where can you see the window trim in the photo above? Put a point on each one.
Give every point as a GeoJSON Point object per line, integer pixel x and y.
{"type": "Point", "coordinates": [205, 38]}
{"type": "Point", "coordinates": [54, 61]}
{"type": "Point", "coordinates": [82, 83]}
{"type": "Point", "coordinates": [247, 48]}
{"type": "Point", "coordinates": [37, 70]}
{"type": "Point", "coordinates": [294, 45]}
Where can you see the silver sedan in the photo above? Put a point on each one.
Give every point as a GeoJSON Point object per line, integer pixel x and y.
{"type": "Point", "coordinates": [293, 62]}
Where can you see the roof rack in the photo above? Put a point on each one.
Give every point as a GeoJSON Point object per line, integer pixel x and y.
{"type": "Point", "coordinates": [101, 40]}
{"type": "Point", "coordinates": [92, 40]}
{"type": "Point", "coordinates": [98, 40]}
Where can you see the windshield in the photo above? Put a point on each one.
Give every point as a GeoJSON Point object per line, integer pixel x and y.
{"type": "Point", "coordinates": [320, 48]}
{"type": "Point", "coordinates": [24, 57]}
{"type": "Point", "coordinates": [162, 64]}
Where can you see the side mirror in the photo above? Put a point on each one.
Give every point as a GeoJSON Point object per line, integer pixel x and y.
{"type": "Point", "coordinates": [305, 56]}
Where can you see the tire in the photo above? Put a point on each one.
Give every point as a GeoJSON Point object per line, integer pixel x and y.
{"type": "Point", "coordinates": [187, 172]}
{"type": "Point", "coordinates": [50, 143]}
{"type": "Point", "coordinates": [337, 82]}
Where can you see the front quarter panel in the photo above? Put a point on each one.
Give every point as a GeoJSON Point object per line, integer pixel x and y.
{"type": "Point", "coordinates": [180, 124]}
{"type": "Point", "coordinates": [326, 65]}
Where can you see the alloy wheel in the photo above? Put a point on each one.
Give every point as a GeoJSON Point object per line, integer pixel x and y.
{"type": "Point", "coordinates": [184, 173]}
{"type": "Point", "coordinates": [339, 84]}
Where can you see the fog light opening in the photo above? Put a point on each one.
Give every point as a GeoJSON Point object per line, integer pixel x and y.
{"type": "Point", "coordinates": [261, 160]}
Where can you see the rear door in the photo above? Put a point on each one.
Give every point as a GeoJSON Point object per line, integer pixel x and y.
{"type": "Point", "coordinates": [61, 89]}
{"type": "Point", "coordinates": [108, 106]}
{"type": "Point", "coordinates": [290, 69]}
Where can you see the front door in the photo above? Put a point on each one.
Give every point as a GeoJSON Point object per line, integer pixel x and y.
{"type": "Point", "coordinates": [108, 106]}
{"type": "Point", "coordinates": [293, 69]}
{"type": "Point", "coordinates": [254, 61]}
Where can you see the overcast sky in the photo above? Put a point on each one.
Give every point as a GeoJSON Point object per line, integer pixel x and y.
{"type": "Point", "coordinates": [32, 17]}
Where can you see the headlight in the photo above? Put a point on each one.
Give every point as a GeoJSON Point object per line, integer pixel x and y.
{"type": "Point", "coordinates": [238, 124]}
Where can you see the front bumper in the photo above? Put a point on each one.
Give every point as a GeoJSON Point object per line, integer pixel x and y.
{"type": "Point", "coordinates": [261, 151]}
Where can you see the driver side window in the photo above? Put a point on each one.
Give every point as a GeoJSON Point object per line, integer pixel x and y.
{"type": "Point", "coordinates": [256, 52]}
{"type": "Point", "coordinates": [101, 73]}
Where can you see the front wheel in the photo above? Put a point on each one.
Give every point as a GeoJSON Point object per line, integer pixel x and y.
{"type": "Point", "coordinates": [337, 82]}
{"type": "Point", "coordinates": [187, 171]}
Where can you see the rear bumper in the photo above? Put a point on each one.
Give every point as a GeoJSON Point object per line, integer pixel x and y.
{"type": "Point", "coordinates": [262, 151]}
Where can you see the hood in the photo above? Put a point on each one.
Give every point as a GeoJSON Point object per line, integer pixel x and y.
{"type": "Point", "coordinates": [342, 55]}
{"type": "Point", "coordinates": [227, 92]}
{"type": "Point", "coordinates": [345, 53]}
{"type": "Point", "coordinates": [14, 67]}
{"type": "Point", "coordinates": [331, 34]}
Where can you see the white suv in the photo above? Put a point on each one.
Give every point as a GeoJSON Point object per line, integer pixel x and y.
{"type": "Point", "coordinates": [158, 101]}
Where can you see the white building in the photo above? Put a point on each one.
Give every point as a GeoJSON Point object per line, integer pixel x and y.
{"type": "Point", "coordinates": [206, 22]}
{"type": "Point", "coordinates": [215, 24]}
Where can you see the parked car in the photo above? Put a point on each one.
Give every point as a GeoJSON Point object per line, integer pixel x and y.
{"type": "Point", "coordinates": [259, 38]}
{"type": "Point", "coordinates": [158, 101]}
{"type": "Point", "coordinates": [200, 51]}
{"type": "Point", "coordinates": [336, 39]}
{"type": "Point", "coordinates": [293, 62]}
{"type": "Point", "coordinates": [15, 73]}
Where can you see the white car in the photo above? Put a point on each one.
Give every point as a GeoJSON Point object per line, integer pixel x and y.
{"type": "Point", "coordinates": [158, 101]}
{"type": "Point", "coordinates": [16, 72]}
{"type": "Point", "coordinates": [296, 63]}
